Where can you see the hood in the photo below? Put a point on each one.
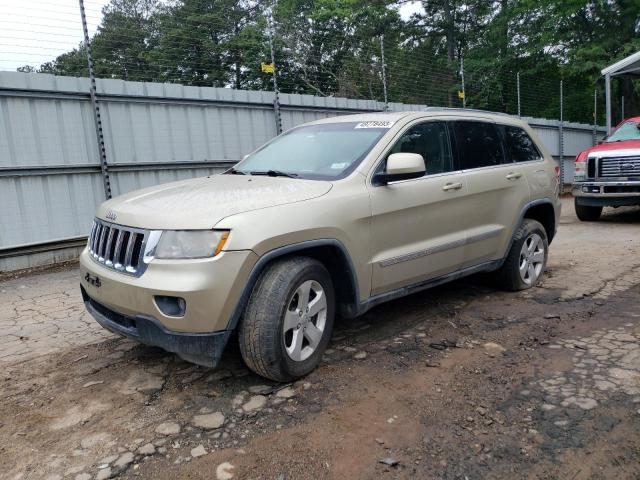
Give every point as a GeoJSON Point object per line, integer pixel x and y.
{"type": "Point", "coordinates": [200, 203]}
{"type": "Point", "coordinates": [613, 146]}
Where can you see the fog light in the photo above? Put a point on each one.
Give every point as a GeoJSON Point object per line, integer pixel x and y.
{"type": "Point", "coordinates": [171, 306]}
{"type": "Point", "coordinates": [585, 189]}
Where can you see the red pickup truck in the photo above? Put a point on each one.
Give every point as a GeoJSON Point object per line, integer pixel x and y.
{"type": "Point", "coordinates": [608, 174]}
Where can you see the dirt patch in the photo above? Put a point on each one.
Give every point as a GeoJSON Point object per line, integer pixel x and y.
{"type": "Point", "coordinates": [461, 381]}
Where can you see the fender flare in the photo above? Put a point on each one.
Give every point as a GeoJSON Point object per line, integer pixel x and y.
{"type": "Point", "coordinates": [534, 203]}
{"type": "Point", "coordinates": [276, 253]}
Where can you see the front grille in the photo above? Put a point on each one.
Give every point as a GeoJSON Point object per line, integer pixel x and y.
{"type": "Point", "coordinates": [117, 247]}
{"type": "Point", "coordinates": [619, 167]}
{"type": "Point", "coordinates": [591, 168]}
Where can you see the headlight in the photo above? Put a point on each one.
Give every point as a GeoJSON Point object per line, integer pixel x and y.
{"type": "Point", "coordinates": [191, 243]}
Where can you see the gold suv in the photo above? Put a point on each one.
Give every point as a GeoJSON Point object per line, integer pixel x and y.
{"type": "Point", "coordinates": [332, 217]}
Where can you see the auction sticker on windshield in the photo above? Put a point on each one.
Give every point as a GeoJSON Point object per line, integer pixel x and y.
{"type": "Point", "coordinates": [375, 124]}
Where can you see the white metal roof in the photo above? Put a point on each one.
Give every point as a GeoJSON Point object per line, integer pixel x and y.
{"type": "Point", "coordinates": [629, 65]}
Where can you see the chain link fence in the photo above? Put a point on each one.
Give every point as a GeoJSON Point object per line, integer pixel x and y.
{"type": "Point", "coordinates": [368, 53]}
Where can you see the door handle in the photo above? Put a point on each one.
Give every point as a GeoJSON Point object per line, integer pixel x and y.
{"type": "Point", "coordinates": [452, 186]}
{"type": "Point", "coordinates": [513, 176]}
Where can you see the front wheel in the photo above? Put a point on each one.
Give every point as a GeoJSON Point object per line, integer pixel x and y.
{"type": "Point", "coordinates": [587, 213]}
{"type": "Point", "coordinates": [289, 318]}
{"type": "Point", "coordinates": [527, 257]}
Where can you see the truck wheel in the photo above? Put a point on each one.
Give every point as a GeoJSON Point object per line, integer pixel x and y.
{"type": "Point", "coordinates": [527, 257]}
{"type": "Point", "coordinates": [586, 213]}
{"type": "Point", "coordinates": [288, 321]}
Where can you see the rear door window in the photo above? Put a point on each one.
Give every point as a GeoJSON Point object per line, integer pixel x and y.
{"type": "Point", "coordinates": [479, 144]}
{"type": "Point", "coordinates": [519, 145]}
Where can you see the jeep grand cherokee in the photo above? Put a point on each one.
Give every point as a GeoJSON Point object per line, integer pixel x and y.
{"type": "Point", "coordinates": [334, 216]}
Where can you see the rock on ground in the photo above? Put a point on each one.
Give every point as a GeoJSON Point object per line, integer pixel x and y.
{"type": "Point", "coordinates": [147, 449]}
{"type": "Point", "coordinates": [493, 348]}
{"type": "Point", "coordinates": [199, 451]}
{"type": "Point", "coordinates": [124, 460]}
{"type": "Point", "coordinates": [104, 474]}
{"type": "Point", "coordinates": [224, 471]}
{"type": "Point", "coordinates": [209, 421]}
{"type": "Point", "coordinates": [168, 428]}
{"type": "Point", "coordinates": [255, 403]}
{"type": "Point", "coordinates": [287, 392]}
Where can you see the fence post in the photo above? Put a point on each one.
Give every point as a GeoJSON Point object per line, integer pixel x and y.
{"type": "Point", "coordinates": [96, 108]}
{"type": "Point", "coordinates": [518, 87]}
{"type": "Point", "coordinates": [276, 92]}
{"type": "Point", "coordinates": [384, 73]}
{"type": "Point", "coordinates": [561, 138]}
{"type": "Point", "coordinates": [595, 116]}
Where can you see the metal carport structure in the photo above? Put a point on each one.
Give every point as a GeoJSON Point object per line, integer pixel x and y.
{"type": "Point", "coordinates": [627, 66]}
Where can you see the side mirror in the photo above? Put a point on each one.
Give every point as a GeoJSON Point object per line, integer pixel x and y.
{"type": "Point", "coordinates": [401, 166]}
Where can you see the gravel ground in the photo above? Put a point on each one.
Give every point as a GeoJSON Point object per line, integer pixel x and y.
{"type": "Point", "coordinates": [459, 382]}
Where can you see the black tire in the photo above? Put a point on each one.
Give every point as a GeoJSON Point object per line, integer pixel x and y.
{"type": "Point", "coordinates": [587, 213]}
{"type": "Point", "coordinates": [509, 276]}
{"type": "Point", "coordinates": [261, 337]}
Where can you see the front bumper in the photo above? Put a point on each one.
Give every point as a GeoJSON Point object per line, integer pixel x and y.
{"type": "Point", "coordinates": [610, 193]}
{"type": "Point", "coordinates": [199, 348]}
{"type": "Point", "coordinates": [211, 289]}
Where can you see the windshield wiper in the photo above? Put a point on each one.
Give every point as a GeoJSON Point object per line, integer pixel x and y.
{"type": "Point", "coordinates": [233, 171]}
{"type": "Point", "coordinates": [275, 173]}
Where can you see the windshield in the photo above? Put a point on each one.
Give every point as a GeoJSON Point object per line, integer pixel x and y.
{"type": "Point", "coordinates": [626, 131]}
{"type": "Point", "coordinates": [326, 151]}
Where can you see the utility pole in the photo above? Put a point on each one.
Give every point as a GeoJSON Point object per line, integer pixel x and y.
{"type": "Point", "coordinates": [561, 138]}
{"type": "Point", "coordinates": [96, 108]}
{"type": "Point", "coordinates": [464, 93]}
{"type": "Point", "coordinates": [518, 87]}
{"type": "Point", "coordinates": [384, 73]}
{"type": "Point", "coordinates": [276, 101]}
{"type": "Point", "coordinates": [595, 116]}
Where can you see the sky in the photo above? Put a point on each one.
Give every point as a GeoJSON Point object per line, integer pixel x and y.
{"type": "Point", "coordinates": [33, 32]}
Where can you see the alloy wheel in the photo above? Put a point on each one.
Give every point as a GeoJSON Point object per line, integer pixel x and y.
{"type": "Point", "coordinates": [531, 259]}
{"type": "Point", "coordinates": [304, 320]}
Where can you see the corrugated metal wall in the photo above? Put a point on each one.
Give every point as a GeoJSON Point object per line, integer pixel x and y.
{"type": "Point", "coordinates": [50, 180]}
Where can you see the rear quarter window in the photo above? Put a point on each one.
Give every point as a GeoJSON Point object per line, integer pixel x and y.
{"type": "Point", "coordinates": [519, 145]}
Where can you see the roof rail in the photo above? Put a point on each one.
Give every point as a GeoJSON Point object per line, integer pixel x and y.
{"type": "Point", "coordinates": [474, 110]}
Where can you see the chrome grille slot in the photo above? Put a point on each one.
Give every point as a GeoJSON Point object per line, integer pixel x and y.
{"type": "Point", "coordinates": [619, 167]}
{"type": "Point", "coordinates": [118, 247]}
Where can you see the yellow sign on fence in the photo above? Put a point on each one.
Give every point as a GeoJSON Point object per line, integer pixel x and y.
{"type": "Point", "coordinates": [268, 67]}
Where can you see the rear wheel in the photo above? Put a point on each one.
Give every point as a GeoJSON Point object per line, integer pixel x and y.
{"type": "Point", "coordinates": [289, 318]}
{"type": "Point", "coordinates": [527, 257]}
{"type": "Point", "coordinates": [587, 213]}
